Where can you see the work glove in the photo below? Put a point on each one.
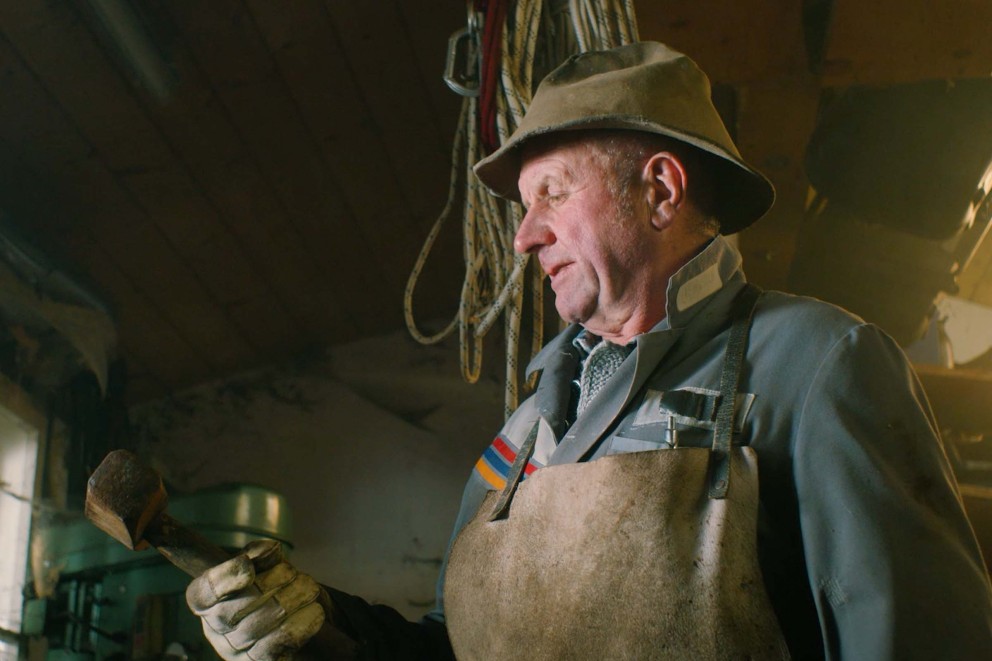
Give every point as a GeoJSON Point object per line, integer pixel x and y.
{"type": "Point", "coordinates": [257, 606]}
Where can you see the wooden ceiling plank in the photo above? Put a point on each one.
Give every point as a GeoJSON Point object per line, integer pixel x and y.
{"type": "Point", "coordinates": [290, 267]}
{"type": "Point", "coordinates": [239, 67]}
{"type": "Point", "coordinates": [390, 83]}
{"type": "Point", "coordinates": [88, 90]}
{"type": "Point", "coordinates": [139, 271]}
{"type": "Point", "coordinates": [231, 277]}
{"type": "Point", "coordinates": [196, 123]}
{"type": "Point", "coordinates": [34, 126]}
{"type": "Point", "coordinates": [129, 144]}
{"type": "Point", "coordinates": [767, 31]}
{"type": "Point", "coordinates": [307, 55]}
{"type": "Point", "coordinates": [229, 268]}
{"type": "Point", "coordinates": [148, 260]}
{"type": "Point", "coordinates": [217, 260]}
{"type": "Point", "coordinates": [96, 200]}
{"type": "Point", "coordinates": [81, 181]}
{"type": "Point", "coordinates": [168, 198]}
{"type": "Point", "coordinates": [233, 270]}
{"type": "Point", "coordinates": [127, 245]}
{"type": "Point", "coordinates": [886, 42]}
{"type": "Point", "coordinates": [427, 25]}
{"type": "Point", "coordinates": [143, 332]}
{"type": "Point", "coordinates": [266, 328]}
{"type": "Point", "coordinates": [171, 189]}
{"type": "Point", "coordinates": [30, 116]}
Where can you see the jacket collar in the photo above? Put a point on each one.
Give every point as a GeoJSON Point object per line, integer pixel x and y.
{"type": "Point", "coordinates": [697, 281]}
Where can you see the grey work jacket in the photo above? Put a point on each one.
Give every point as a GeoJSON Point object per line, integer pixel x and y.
{"type": "Point", "coordinates": [864, 546]}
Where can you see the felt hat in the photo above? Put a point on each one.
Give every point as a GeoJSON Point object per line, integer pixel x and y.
{"type": "Point", "coordinates": [647, 87]}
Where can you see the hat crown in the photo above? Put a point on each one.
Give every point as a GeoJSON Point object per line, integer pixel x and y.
{"type": "Point", "coordinates": [624, 58]}
{"type": "Point", "coordinates": [644, 86]}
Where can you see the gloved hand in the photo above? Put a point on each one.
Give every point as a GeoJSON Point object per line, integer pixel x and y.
{"type": "Point", "coordinates": [257, 606]}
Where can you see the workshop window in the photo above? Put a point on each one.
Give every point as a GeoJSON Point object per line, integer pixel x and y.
{"type": "Point", "coordinates": [18, 473]}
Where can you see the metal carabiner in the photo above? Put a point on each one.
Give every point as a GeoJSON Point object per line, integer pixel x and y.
{"type": "Point", "coordinates": [463, 67]}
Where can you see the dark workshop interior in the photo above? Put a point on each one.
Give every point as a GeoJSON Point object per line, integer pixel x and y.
{"type": "Point", "coordinates": [209, 212]}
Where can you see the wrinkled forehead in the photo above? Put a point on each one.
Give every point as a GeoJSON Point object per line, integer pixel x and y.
{"type": "Point", "coordinates": [568, 159]}
{"type": "Point", "coordinates": [570, 143]}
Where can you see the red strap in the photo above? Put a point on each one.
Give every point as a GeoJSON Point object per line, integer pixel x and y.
{"type": "Point", "coordinates": [492, 35]}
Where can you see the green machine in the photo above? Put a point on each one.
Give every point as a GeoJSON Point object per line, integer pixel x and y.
{"type": "Point", "coordinates": [112, 603]}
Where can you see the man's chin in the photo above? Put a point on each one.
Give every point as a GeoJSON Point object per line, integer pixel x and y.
{"type": "Point", "coordinates": [571, 314]}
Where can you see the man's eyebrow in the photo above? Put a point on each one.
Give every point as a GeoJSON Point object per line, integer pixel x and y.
{"type": "Point", "coordinates": [540, 185]}
{"type": "Point", "coordinates": [563, 176]}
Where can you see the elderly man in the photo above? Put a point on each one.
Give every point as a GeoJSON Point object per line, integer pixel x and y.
{"type": "Point", "coordinates": [642, 529]}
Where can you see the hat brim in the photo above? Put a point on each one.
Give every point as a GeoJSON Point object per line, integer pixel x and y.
{"type": "Point", "coordinates": [745, 194]}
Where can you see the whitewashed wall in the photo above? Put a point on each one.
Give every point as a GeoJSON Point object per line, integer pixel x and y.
{"type": "Point", "coordinates": [371, 445]}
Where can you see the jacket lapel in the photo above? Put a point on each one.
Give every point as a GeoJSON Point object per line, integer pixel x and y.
{"type": "Point", "coordinates": [559, 360]}
{"type": "Point", "coordinates": [609, 404]}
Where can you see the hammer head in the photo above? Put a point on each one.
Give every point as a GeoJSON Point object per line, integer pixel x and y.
{"type": "Point", "coordinates": [123, 496]}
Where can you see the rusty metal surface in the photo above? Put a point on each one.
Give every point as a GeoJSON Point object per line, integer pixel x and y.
{"type": "Point", "coordinates": [126, 499]}
{"type": "Point", "coordinates": [123, 496]}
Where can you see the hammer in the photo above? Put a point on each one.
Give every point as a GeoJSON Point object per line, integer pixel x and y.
{"type": "Point", "coordinates": [126, 499]}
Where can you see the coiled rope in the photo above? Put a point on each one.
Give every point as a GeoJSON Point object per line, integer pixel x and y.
{"type": "Point", "coordinates": [495, 276]}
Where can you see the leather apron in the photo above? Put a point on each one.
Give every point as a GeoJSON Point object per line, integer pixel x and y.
{"type": "Point", "coordinates": [646, 555]}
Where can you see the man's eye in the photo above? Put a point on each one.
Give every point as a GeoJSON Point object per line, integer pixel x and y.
{"type": "Point", "coordinates": [556, 198]}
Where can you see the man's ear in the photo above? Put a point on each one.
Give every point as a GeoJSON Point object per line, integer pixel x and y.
{"type": "Point", "coordinates": [666, 181]}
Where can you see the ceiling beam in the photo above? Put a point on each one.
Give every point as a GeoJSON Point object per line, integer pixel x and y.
{"type": "Point", "coordinates": [742, 42]}
{"type": "Point", "coordinates": [886, 42]}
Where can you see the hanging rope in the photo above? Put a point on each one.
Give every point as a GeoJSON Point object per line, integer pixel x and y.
{"type": "Point", "coordinates": [495, 276]}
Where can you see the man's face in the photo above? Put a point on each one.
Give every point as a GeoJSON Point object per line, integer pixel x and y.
{"type": "Point", "coordinates": [591, 248]}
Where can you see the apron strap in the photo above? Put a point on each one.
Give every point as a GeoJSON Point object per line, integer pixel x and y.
{"type": "Point", "coordinates": [730, 377]}
{"type": "Point", "coordinates": [502, 505]}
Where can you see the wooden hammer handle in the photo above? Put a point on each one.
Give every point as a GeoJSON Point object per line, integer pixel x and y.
{"type": "Point", "coordinates": [186, 549]}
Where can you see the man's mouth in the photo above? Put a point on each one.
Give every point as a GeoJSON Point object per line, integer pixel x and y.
{"type": "Point", "coordinates": [554, 269]}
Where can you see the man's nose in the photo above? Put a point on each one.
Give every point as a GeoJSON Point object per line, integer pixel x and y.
{"type": "Point", "coordinates": [533, 233]}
